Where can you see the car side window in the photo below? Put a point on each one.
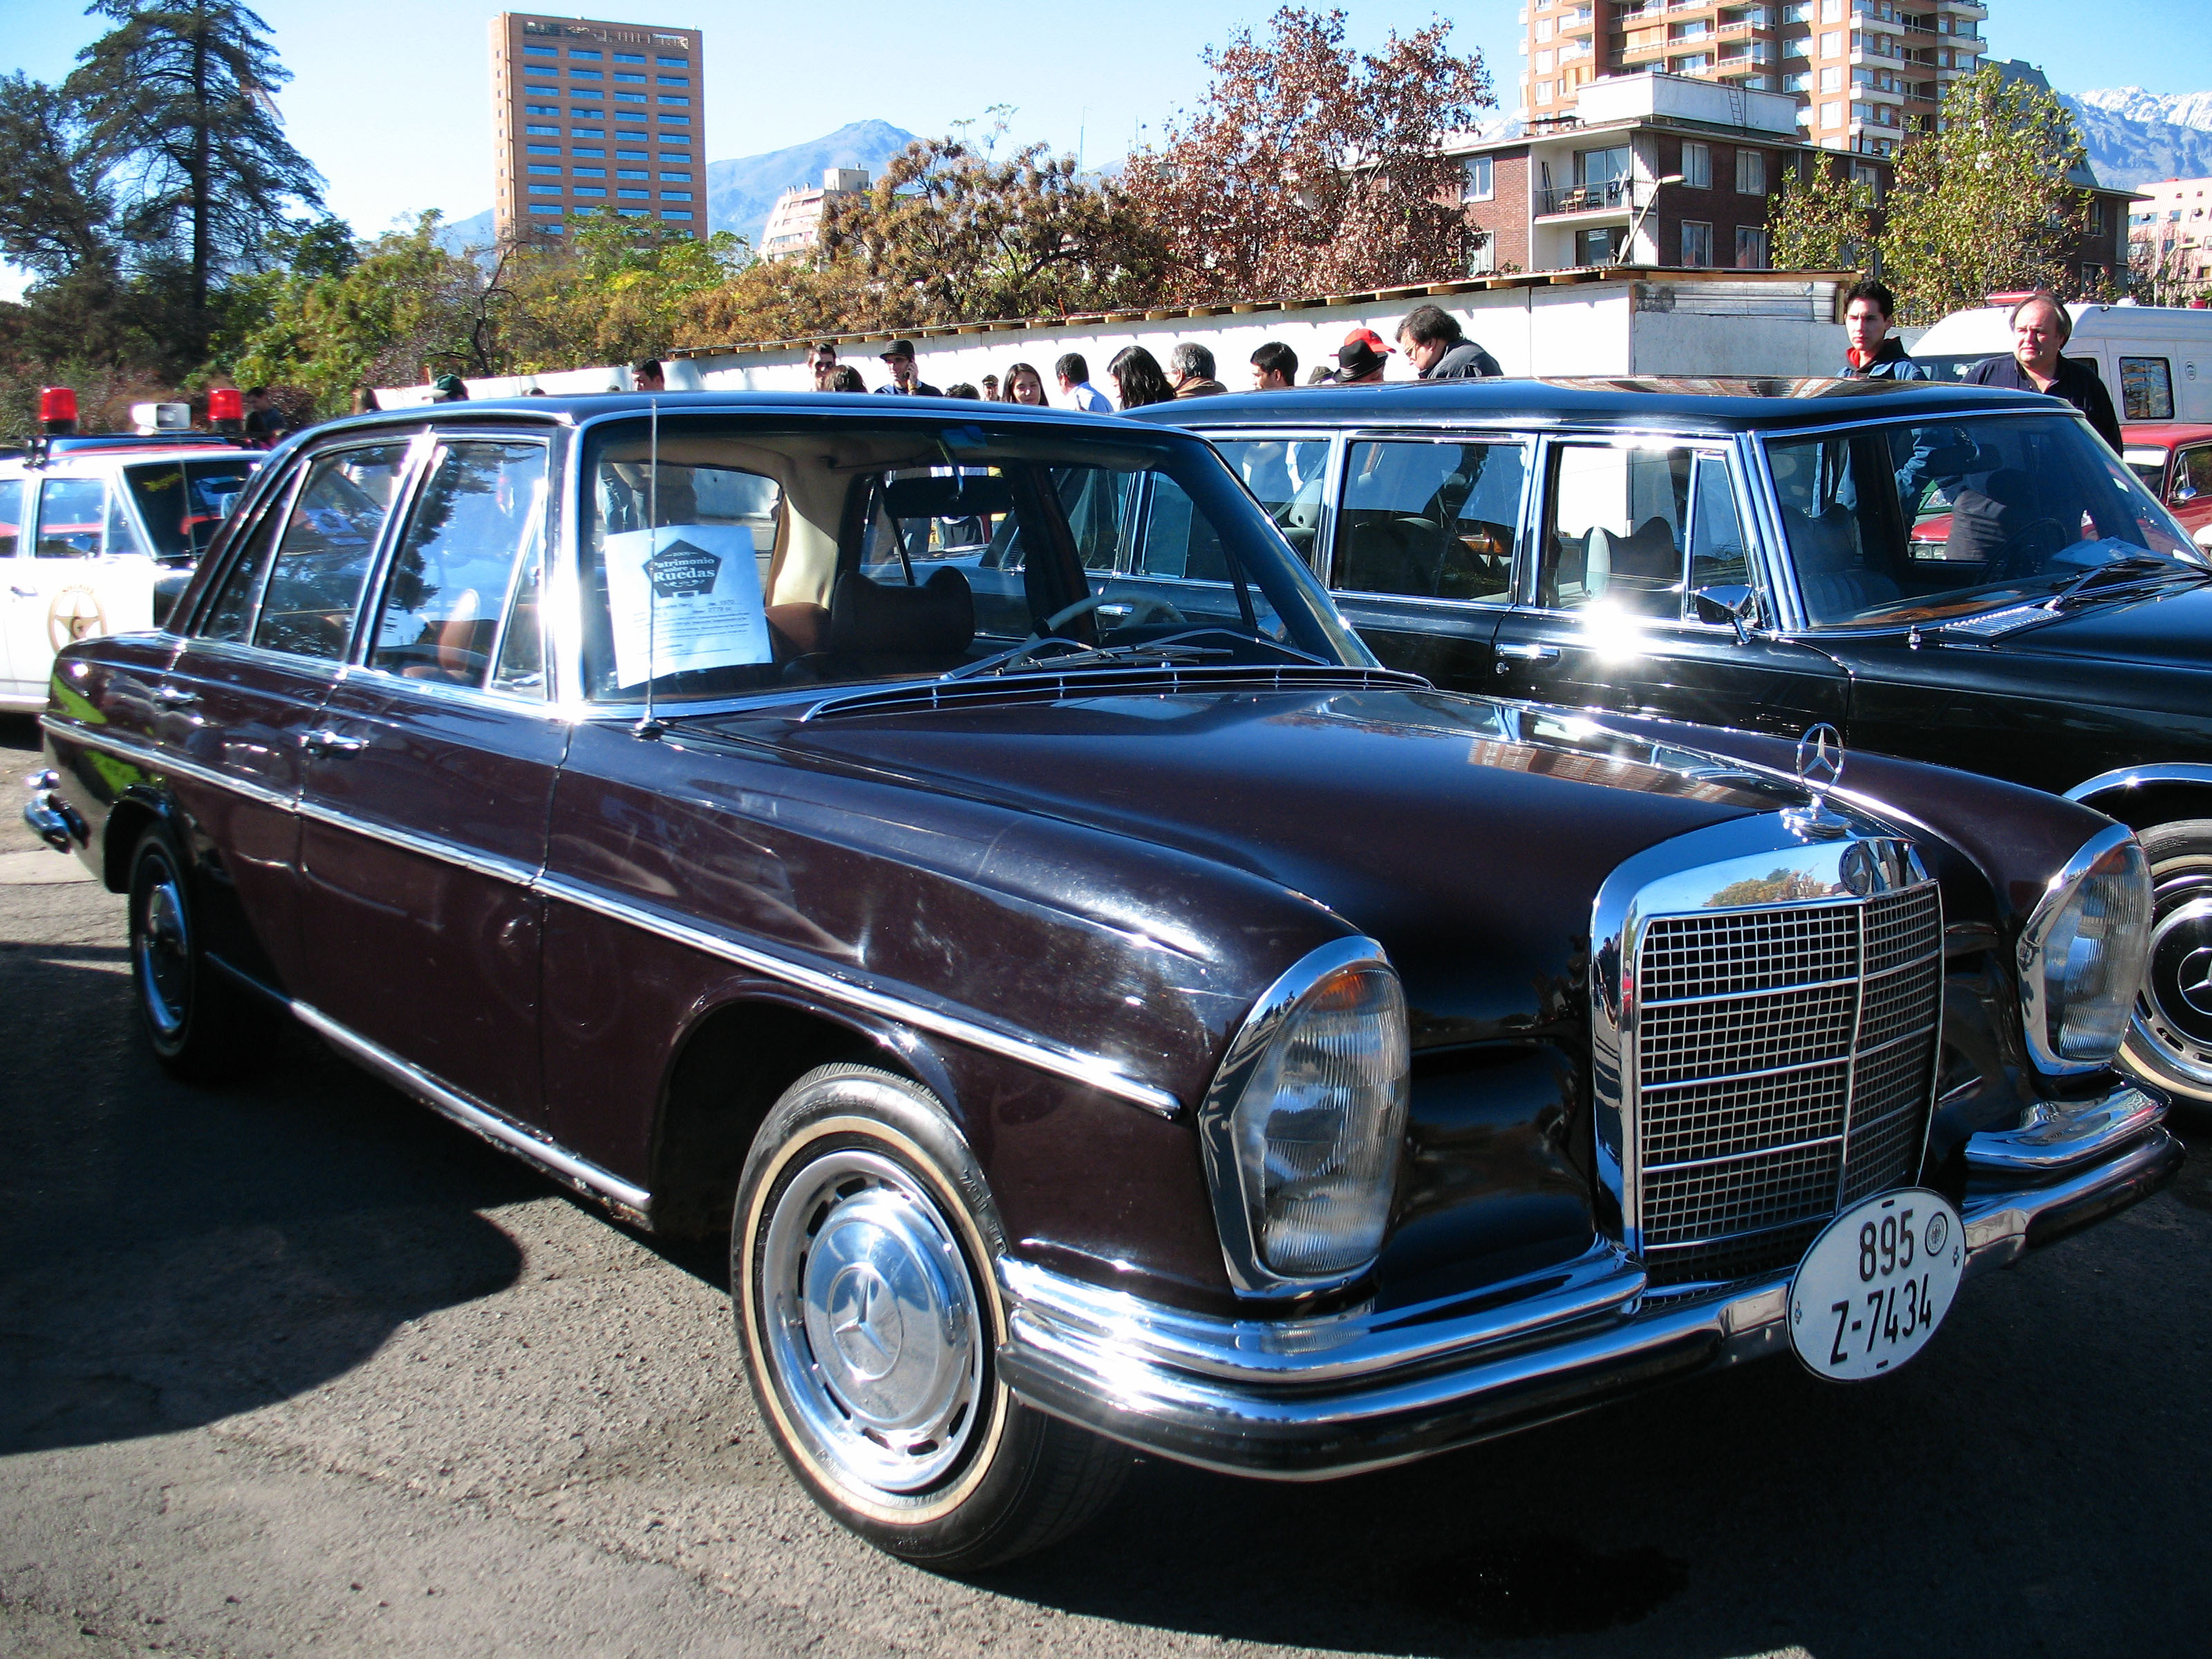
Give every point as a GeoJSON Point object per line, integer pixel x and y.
{"type": "Point", "coordinates": [1179, 541]}
{"type": "Point", "coordinates": [323, 560]}
{"type": "Point", "coordinates": [1718, 557]}
{"type": "Point", "coordinates": [11, 515]}
{"type": "Point", "coordinates": [1614, 528]}
{"type": "Point", "coordinates": [230, 616]}
{"type": "Point", "coordinates": [1287, 476]}
{"type": "Point", "coordinates": [474, 527]}
{"type": "Point", "coordinates": [1435, 520]}
{"type": "Point", "coordinates": [72, 516]}
{"type": "Point", "coordinates": [2192, 473]}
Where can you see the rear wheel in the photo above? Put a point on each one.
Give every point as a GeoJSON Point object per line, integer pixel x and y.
{"type": "Point", "coordinates": [859, 1256]}
{"type": "Point", "coordinates": [2169, 1042]}
{"type": "Point", "coordinates": [201, 1025]}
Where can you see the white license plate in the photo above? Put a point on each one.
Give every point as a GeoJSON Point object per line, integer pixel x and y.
{"type": "Point", "coordinates": [1875, 1284]}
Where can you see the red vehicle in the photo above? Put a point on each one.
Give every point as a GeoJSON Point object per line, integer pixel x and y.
{"type": "Point", "coordinates": [2174, 460]}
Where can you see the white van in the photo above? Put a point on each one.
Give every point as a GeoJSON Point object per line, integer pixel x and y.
{"type": "Point", "coordinates": [2156, 360]}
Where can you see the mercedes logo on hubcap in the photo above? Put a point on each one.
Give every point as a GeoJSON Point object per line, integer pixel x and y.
{"type": "Point", "coordinates": [2192, 979]}
{"type": "Point", "coordinates": [865, 1322]}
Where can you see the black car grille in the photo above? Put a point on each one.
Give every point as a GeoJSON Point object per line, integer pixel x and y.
{"type": "Point", "coordinates": [1785, 1064]}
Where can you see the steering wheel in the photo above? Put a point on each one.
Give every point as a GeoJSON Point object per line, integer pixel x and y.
{"type": "Point", "coordinates": [1141, 606]}
{"type": "Point", "coordinates": [2018, 555]}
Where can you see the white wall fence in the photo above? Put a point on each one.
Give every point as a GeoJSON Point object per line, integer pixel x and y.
{"type": "Point", "coordinates": [1548, 324]}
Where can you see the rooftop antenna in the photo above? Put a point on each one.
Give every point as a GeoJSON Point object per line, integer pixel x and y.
{"type": "Point", "coordinates": [648, 727]}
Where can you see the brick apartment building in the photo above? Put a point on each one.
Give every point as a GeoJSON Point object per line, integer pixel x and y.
{"type": "Point", "coordinates": [588, 115]}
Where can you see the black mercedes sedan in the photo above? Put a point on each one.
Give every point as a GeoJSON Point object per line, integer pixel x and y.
{"type": "Point", "coordinates": [1950, 573]}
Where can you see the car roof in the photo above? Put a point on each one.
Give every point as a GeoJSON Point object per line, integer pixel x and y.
{"type": "Point", "coordinates": [572, 410]}
{"type": "Point", "coordinates": [80, 463]}
{"type": "Point", "coordinates": [1720, 402]}
{"type": "Point", "coordinates": [2166, 432]}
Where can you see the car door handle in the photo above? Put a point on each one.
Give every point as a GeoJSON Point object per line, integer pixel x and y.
{"type": "Point", "coordinates": [323, 741]}
{"type": "Point", "coordinates": [175, 696]}
{"type": "Point", "coordinates": [1518, 652]}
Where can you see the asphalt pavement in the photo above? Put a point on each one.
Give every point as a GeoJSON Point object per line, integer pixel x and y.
{"type": "Point", "coordinates": [293, 1364]}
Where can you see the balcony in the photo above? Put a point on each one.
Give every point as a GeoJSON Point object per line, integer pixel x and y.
{"type": "Point", "coordinates": [1613, 196]}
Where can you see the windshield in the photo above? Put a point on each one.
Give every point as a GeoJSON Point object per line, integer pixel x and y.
{"type": "Point", "coordinates": [721, 556]}
{"type": "Point", "coordinates": [183, 503]}
{"type": "Point", "coordinates": [1920, 522]}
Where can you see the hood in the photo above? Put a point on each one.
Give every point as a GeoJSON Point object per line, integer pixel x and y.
{"type": "Point", "coordinates": [1468, 837]}
{"type": "Point", "coordinates": [2169, 627]}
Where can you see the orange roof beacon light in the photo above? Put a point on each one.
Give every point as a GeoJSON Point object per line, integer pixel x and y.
{"type": "Point", "coordinates": [57, 411]}
{"type": "Point", "coordinates": [227, 410]}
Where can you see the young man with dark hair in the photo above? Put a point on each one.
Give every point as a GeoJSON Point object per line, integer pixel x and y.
{"type": "Point", "coordinates": [1875, 353]}
{"type": "Point", "coordinates": [822, 364]}
{"type": "Point", "coordinates": [1274, 368]}
{"type": "Point", "coordinates": [1190, 372]}
{"type": "Point", "coordinates": [647, 376]}
{"type": "Point", "coordinates": [1433, 344]}
{"type": "Point", "coordinates": [1074, 377]}
{"type": "Point", "coordinates": [906, 379]}
{"type": "Point", "coordinates": [2040, 327]}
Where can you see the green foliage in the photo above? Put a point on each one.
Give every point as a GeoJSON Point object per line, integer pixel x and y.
{"type": "Point", "coordinates": [175, 100]}
{"type": "Point", "coordinates": [1825, 222]}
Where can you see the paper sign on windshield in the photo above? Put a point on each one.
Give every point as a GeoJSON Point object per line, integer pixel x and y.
{"type": "Point", "coordinates": [686, 595]}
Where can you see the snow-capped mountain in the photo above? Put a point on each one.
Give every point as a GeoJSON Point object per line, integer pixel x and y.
{"type": "Point", "coordinates": [2134, 136]}
{"type": "Point", "coordinates": [2180, 109]}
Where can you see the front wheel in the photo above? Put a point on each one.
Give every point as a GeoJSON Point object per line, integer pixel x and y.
{"type": "Point", "coordinates": [859, 1256]}
{"type": "Point", "coordinates": [2169, 1041]}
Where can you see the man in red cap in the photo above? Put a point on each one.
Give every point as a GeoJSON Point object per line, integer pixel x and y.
{"type": "Point", "coordinates": [1359, 360]}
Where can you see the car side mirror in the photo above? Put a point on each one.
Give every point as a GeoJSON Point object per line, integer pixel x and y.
{"type": "Point", "coordinates": [1730, 603]}
{"type": "Point", "coordinates": [2185, 491]}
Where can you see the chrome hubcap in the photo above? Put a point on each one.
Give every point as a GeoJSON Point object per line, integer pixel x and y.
{"type": "Point", "coordinates": [165, 955]}
{"type": "Point", "coordinates": [871, 1323]}
{"type": "Point", "coordinates": [2173, 1015]}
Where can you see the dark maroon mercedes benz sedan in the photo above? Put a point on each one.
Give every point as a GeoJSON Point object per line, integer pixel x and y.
{"type": "Point", "coordinates": [962, 851]}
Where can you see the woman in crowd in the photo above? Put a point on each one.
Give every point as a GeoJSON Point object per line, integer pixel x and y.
{"type": "Point", "coordinates": [845, 377]}
{"type": "Point", "coordinates": [1025, 386]}
{"type": "Point", "coordinates": [1138, 379]}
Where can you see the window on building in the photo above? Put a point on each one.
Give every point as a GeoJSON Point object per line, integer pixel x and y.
{"type": "Point", "coordinates": [2098, 224]}
{"type": "Point", "coordinates": [1696, 165]}
{"type": "Point", "coordinates": [675, 177]}
{"type": "Point", "coordinates": [1832, 46]}
{"type": "Point", "coordinates": [1832, 80]}
{"type": "Point", "coordinates": [1479, 180]}
{"type": "Point", "coordinates": [543, 92]}
{"type": "Point", "coordinates": [545, 190]}
{"type": "Point", "coordinates": [588, 190]}
{"type": "Point", "coordinates": [675, 213]}
{"type": "Point", "coordinates": [628, 97]}
{"type": "Point", "coordinates": [1543, 29]}
{"type": "Point", "coordinates": [1603, 166]}
{"type": "Point", "coordinates": [1832, 11]}
{"type": "Point", "coordinates": [540, 51]}
{"type": "Point", "coordinates": [674, 63]}
{"type": "Point", "coordinates": [675, 120]}
{"type": "Point", "coordinates": [1832, 115]}
{"type": "Point", "coordinates": [1750, 173]}
{"type": "Point", "coordinates": [1697, 244]}
{"type": "Point", "coordinates": [675, 195]}
{"type": "Point", "coordinates": [673, 79]}
{"type": "Point", "coordinates": [630, 80]}
{"type": "Point", "coordinates": [629, 195]}
{"type": "Point", "coordinates": [575, 74]}
{"type": "Point", "coordinates": [546, 168]}
{"type": "Point", "coordinates": [542, 149]}
{"type": "Point", "coordinates": [631, 172]}
{"type": "Point", "coordinates": [629, 58]}
{"type": "Point", "coordinates": [667, 156]}
{"type": "Point", "coordinates": [1750, 248]}
{"type": "Point", "coordinates": [673, 98]}
{"type": "Point", "coordinates": [543, 131]}
{"type": "Point", "coordinates": [1543, 92]}
{"type": "Point", "coordinates": [633, 155]}
{"type": "Point", "coordinates": [590, 114]}
{"type": "Point", "coordinates": [589, 56]}
{"type": "Point", "coordinates": [589, 173]}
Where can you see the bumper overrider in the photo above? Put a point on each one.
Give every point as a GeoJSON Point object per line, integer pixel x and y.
{"type": "Point", "coordinates": [1312, 1398]}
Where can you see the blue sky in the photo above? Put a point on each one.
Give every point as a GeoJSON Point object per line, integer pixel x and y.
{"type": "Point", "coordinates": [392, 100]}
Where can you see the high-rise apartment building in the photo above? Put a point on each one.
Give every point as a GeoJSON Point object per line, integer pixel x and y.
{"type": "Point", "coordinates": [1864, 72]}
{"type": "Point", "coordinates": [590, 115]}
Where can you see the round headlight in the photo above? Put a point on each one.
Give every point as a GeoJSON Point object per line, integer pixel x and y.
{"type": "Point", "coordinates": [2082, 953]}
{"type": "Point", "coordinates": [1305, 1123]}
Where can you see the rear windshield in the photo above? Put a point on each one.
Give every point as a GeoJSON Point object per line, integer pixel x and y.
{"type": "Point", "coordinates": [1922, 522]}
{"type": "Point", "coordinates": [721, 558]}
{"type": "Point", "coordinates": [183, 503]}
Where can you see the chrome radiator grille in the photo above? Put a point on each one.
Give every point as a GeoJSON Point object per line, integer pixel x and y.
{"type": "Point", "coordinates": [1784, 1066]}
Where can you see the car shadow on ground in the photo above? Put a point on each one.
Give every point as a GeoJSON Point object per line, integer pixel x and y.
{"type": "Point", "coordinates": [172, 1255]}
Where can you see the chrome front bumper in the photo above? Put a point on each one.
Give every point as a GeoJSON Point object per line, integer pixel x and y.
{"type": "Point", "coordinates": [1315, 1398]}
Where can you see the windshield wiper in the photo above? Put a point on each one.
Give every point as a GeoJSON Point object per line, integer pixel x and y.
{"type": "Point", "coordinates": [2144, 564]}
{"type": "Point", "coordinates": [1080, 655]}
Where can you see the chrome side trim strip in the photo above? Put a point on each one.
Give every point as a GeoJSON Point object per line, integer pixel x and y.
{"type": "Point", "coordinates": [2132, 777]}
{"type": "Point", "coordinates": [429, 846]}
{"type": "Point", "coordinates": [1087, 1069]}
{"type": "Point", "coordinates": [482, 1119]}
{"type": "Point", "coordinates": [147, 754]}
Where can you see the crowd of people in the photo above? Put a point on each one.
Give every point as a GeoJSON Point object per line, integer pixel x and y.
{"type": "Point", "coordinates": [1430, 340]}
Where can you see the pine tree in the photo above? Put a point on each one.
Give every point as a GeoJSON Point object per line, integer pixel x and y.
{"type": "Point", "coordinates": [177, 101]}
